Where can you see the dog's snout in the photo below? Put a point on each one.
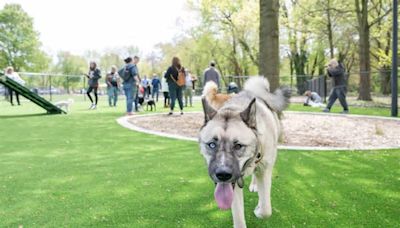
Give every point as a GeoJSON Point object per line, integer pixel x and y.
{"type": "Point", "coordinates": [223, 174]}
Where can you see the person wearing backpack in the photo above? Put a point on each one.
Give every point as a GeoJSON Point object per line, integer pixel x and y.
{"type": "Point", "coordinates": [175, 77]}
{"type": "Point", "coordinates": [130, 76]}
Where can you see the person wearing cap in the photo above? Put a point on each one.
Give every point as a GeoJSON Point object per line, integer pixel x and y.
{"type": "Point", "coordinates": [212, 74]}
{"type": "Point", "coordinates": [336, 72]}
{"type": "Point", "coordinates": [131, 83]}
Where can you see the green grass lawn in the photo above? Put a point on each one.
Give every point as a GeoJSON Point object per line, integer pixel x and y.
{"type": "Point", "coordinates": [84, 170]}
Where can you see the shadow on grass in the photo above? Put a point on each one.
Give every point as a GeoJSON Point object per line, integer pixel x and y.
{"type": "Point", "coordinates": [22, 115]}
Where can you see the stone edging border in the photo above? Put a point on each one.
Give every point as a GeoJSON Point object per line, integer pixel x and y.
{"type": "Point", "coordinates": [123, 121]}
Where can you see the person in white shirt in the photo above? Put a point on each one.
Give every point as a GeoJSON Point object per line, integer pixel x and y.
{"type": "Point", "coordinates": [188, 92]}
{"type": "Point", "coordinates": [313, 99]}
{"type": "Point", "coordinates": [15, 77]}
{"type": "Point", "coordinates": [165, 90]}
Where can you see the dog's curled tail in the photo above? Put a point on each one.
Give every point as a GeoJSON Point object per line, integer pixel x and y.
{"type": "Point", "coordinates": [259, 86]}
{"type": "Point", "coordinates": [210, 90]}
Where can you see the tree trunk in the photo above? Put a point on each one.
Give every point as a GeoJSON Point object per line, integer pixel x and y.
{"type": "Point", "coordinates": [365, 66]}
{"type": "Point", "coordinates": [329, 27]}
{"type": "Point", "coordinates": [364, 51]}
{"type": "Point", "coordinates": [385, 76]}
{"type": "Point", "coordinates": [269, 41]}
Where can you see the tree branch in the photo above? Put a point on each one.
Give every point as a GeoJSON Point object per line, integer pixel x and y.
{"type": "Point", "coordinates": [378, 19]}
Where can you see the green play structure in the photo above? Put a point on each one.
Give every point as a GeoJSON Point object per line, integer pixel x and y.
{"type": "Point", "coordinates": [25, 92]}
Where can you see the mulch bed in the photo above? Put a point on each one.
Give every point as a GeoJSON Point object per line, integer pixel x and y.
{"type": "Point", "coordinates": [300, 129]}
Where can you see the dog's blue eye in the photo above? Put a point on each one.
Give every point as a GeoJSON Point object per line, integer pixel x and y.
{"type": "Point", "coordinates": [237, 146]}
{"type": "Point", "coordinates": [212, 145]}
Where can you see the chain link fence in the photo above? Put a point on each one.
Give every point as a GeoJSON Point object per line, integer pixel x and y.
{"type": "Point", "coordinates": [49, 85]}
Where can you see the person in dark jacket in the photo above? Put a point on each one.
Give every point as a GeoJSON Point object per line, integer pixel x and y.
{"type": "Point", "coordinates": [94, 75]}
{"type": "Point", "coordinates": [336, 72]}
{"type": "Point", "coordinates": [131, 83]}
{"type": "Point", "coordinates": [175, 91]}
{"type": "Point", "coordinates": [212, 74]}
{"type": "Point", "coordinates": [156, 84]}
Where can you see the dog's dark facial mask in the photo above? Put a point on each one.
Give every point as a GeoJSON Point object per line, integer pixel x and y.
{"type": "Point", "coordinates": [233, 144]}
{"type": "Point", "coordinates": [224, 171]}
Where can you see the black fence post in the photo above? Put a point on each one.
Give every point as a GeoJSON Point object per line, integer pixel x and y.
{"type": "Point", "coordinates": [325, 89]}
{"type": "Point", "coordinates": [394, 60]}
{"type": "Point", "coordinates": [68, 85]}
{"type": "Point", "coordinates": [50, 88]}
{"type": "Point", "coordinates": [83, 88]}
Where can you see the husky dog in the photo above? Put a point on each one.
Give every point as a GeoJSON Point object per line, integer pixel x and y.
{"type": "Point", "coordinates": [241, 139]}
{"type": "Point", "coordinates": [215, 99]}
{"type": "Point", "coordinates": [65, 104]}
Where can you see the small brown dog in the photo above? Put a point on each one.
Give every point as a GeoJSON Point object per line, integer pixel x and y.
{"type": "Point", "coordinates": [215, 99]}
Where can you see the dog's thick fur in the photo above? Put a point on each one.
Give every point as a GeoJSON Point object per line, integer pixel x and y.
{"type": "Point", "coordinates": [64, 104]}
{"type": "Point", "coordinates": [241, 139]}
{"type": "Point", "coordinates": [215, 99]}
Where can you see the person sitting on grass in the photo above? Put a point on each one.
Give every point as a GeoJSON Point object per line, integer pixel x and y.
{"type": "Point", "coordinates": [94, 75]}
{"type": "Point", "coordinates": [313, 99]}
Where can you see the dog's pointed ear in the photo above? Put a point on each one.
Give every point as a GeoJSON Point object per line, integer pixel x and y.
{"type": "Point", "coordinates": [209, 112]}
{"type": "Point", "coordinates": [249, 114]}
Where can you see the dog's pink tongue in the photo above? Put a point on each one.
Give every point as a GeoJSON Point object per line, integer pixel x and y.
{"type": "Point", "coordinates": [224, 195]}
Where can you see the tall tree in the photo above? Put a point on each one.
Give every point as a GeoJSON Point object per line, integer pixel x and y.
{"type": "Point", "coordinates": [364, 26]}
{"type": "Point", "coordinates": [19, 42]}
{"type": "Point", "coordinates": [269, 41]}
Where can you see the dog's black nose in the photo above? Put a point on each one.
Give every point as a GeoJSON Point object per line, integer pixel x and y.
{"type": "Point", "coordinates": [223, 174]}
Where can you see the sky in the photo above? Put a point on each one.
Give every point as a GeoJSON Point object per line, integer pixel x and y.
{"type": "Point", "coordinates": [80, 25]}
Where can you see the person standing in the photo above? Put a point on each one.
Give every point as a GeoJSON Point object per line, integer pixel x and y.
{"type": "Point", "coordinates": [156, 84]}
{"type": "Point", "coordinates": [113, 84]}
{"type": "Point", "coordinates": [145, 84]}
{"type": "Point", "coordinates": [336, 72]}
{"type": "Point", "coordinates": [94, 75]}
{"type": "Point", "coordinates": [10, 73]}
{"type": "Point", "coordinates": [188, 92]}
{"type": "Point", "coordinates": [212, 74]}
{"type": "Point", "coordinates": [130, 76]}
{"type": "Point", "coordinates": [165, 90]}
{"type": "Point", "coordinates": [175, 91]}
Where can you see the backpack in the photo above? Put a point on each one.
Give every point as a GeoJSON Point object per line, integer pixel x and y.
{"type": "Point", "coordinates": [181, 78]}
{"type": "Point", "coordinates": [124, 73]}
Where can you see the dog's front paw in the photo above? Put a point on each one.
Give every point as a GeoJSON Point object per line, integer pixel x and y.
{"type": "Point", "coordinates": [261, 212]}
{"type": "Point", "coordinates": [253, 187]}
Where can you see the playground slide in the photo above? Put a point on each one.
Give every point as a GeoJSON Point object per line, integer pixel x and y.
{"type": "Point", "coordinates": [25, 92]}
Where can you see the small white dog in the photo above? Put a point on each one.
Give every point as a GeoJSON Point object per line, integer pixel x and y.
{"type": "Point", "coordinates": [64, 104]}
